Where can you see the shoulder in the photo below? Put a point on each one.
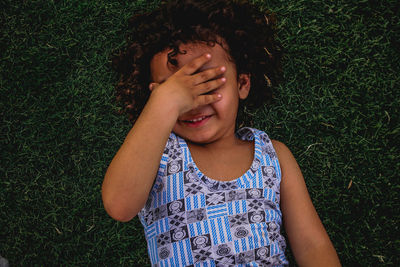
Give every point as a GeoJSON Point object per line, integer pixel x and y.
{"type": "Point", "coordinates": [285, 156]}
{"type": "Point", "coordinates": [278, 145]}
{"type": "Point", "coordinates": [289, 167]}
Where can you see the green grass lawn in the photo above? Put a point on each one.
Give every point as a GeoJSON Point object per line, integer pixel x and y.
{"type": "Point", "coordinates": [338, 110]}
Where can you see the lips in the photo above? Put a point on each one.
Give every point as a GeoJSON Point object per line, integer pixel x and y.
{"type": "Point", "coordinates": [196, 121]}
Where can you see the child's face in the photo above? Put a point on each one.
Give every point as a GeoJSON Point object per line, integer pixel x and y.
{"type": "Point", "coordinates": [214, 121]}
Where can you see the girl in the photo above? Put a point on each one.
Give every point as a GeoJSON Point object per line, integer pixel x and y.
{"type": "Point", "coordinates": [206, 194]}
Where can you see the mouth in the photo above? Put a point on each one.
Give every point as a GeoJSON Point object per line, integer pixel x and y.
{"type": "Point", "coordinates": [196, 122]}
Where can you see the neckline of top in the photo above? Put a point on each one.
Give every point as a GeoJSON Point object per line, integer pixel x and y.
{"type": "Point", "coordinates": [243, 134]}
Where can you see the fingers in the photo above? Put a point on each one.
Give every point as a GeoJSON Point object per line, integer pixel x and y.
{"type": "Point", "coordinates": [207, 99]}
{"type": "Point", "coordinates": [209, 86]}
{"type": "Point", "coordinates": [207, 75]}
{"type": "Point", "coordinates": [195, 64]}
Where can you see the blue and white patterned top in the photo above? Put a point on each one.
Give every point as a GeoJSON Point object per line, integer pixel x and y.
{"type": "Point", "coordinates": [192, 220]}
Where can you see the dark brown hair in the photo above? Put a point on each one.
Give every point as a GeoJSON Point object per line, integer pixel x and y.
{"type": "Point", "coordinates": [248, 32]}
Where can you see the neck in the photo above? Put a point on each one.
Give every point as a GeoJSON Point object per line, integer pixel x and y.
{"type": "Point", "coordinates": [225, 143]}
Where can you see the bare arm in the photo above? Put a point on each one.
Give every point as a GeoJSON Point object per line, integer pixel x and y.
{"type": "Point", "coordinates": [130, 175]}
{"type": "Point", "coordinates": [307, 236]}
{"type": "Point", "coordinates": [132, 171]}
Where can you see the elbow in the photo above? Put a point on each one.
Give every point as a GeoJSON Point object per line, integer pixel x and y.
{"type": "Point", "coordinates": [319, 253]}
{"type": "Point", "coordinates": [119, 216]}
{"type": "Point", "coordinates": [116, 210]}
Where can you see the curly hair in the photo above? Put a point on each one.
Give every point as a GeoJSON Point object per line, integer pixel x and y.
{"type": "Point", "coordinates": [249, 34]}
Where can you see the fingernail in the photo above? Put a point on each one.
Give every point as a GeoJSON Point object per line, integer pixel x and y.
{"type": "Point", "coordinates": [223, 79]}
{"type": "Point", "coordinates": [223, 68]}
{"type": "Point", "coordinates": [208, 55]}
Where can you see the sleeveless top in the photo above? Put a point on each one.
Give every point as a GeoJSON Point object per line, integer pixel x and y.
{"type": "Point", "coordinates": [192, 220]}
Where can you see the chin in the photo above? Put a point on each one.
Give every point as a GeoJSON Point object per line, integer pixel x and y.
{"type": "Point", "coordinates": [196, 137]}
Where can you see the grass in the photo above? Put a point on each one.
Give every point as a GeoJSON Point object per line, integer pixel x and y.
{"type": "Point", "coordinates": [338, 111]}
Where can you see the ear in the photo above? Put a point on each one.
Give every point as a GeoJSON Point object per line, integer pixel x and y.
{"type": "Point", "coordinates": [152, 86]}
{"type": "Point", "coordinates": [244, 85]}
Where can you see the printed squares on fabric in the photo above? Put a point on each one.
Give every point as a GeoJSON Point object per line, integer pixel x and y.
{"type": "Point", "coordinates": [174, 166]}
{"type": "Point", "coordinates": [174, 153]}
{"type": "Point", "coordinates": [264, 139]}
{"type": "Point", "coordinates": [282, 243]}
{"type": "Point", "coordinates": [260, 237]}
{"type": "Point", "coordinates": [262, 254]}
{"type": "Point", "coordinates": [274, 236]}
{"type": "Point", "coordinates": [273, 227]}
{"type": "Point", "coordinates": [254, 193]}
{"type": "Point", "coordinates": [255, 165]}
{"type": "Point", "coordinates": [160, 212]}
{"type": "Point", "coordinates": [162, 225]}
{"type": "Point", "coordinates": [149, 201]}
{"type": "Point", "coordinates": [182, 253]}
{"type": "Point", "coordinates": [165, 252]}
{"type": "Point", "coordinates": [269, 176]}
{"type": "Point", "coordinates": [270, 194]}
{"type": "Point", "coordinates": [212, 185]}
{"type": "Point", "coordinates": [220, 230]}
{"type": "Point", "coordinates": [236, 207]}
{"type": "Point", "coordinates": [245, 257]}
{"type": "Point", "coordinates": [268, 171]}
{"type": "Point", "coordinates": [190, 176]}
{"type": "Point", "coordinates": [238, 219]}
{"type": "Point", "coordinates": [269, 205]}
{"type": "Point", "coordinates": [163, 239]}
{"type": "Point", "coordinates": [240, 232]}
{"type": "Point", "coordinates": [176, 206]}
{"type": "Point", "coordinates": [178, 234]}
{"type": "Point", "coordinates": [235, 195]}
{"type": "Point", "coordinates": [272, 261]}
{"type": "Point", "coordinates": [170, 145]}
{"type": "Point", "coordinates": [193, 189]}
{"type": "Point", "coordinates": [227, 261]}
{"type": "Point", "coordinates": [203, 254]}
{"type": "Point", "coordinates": [159, 187]}
{"type": "Point", "coordinates": [269, 182]}
{"type": "Point", "coordinates": [200, 242]}
{"type": "Point", "coordinates": [216, 211]}
{"type": "Point", "coordinates": [231, 185]}
{"type": "Point", "coordinates": [269, 150]}
{"type": "Point", "coordinates": [177, 220]}
{"type": "Point", "coordinates": [196, 215]}
{"type": "Point", "coordinates": [215, 186]}
{"type": "Point", "coordinates": [224, 254]}
{"type": "Point", "coordinates": [193, 202]}
{"type": "Point", "coordinates": [148, 217]}
{"type": "Point", "coordinates": [245, 134]}
{"type": "Point", "coordinates": [199, 228]}
{"type": "Point", "coordinates": [256, 216]}
{"type": "Point", "coordinates": [255, 204]}
{"type": "Point", "coordinates": [223, 250]}
{"type": "Point", "coordinates": [215, 198]}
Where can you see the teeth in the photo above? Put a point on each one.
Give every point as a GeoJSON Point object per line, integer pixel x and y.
{"type": "Point", "coordinates": [198, 119]}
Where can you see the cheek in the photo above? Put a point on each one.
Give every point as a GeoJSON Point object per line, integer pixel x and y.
{"type": "Point", "coordinates": [228, 104]}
